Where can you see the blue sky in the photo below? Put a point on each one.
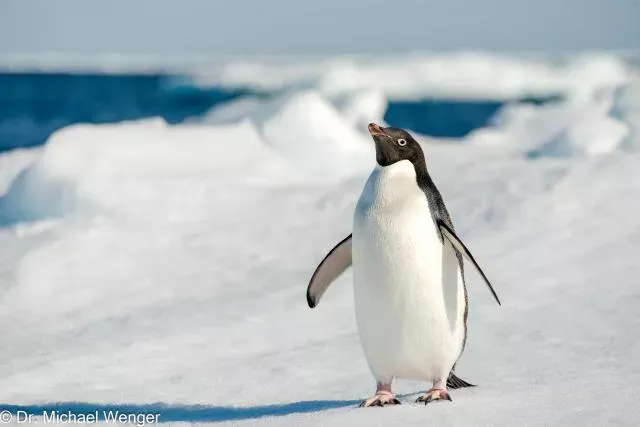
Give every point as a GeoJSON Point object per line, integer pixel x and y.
{"type": "Point", "coordinates": [315, 27]}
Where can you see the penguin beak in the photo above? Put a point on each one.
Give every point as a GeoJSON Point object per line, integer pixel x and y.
{"type": "Point", "coordinates": [384, 150]}
{"type": "Point", "coordinates": [376, 130]}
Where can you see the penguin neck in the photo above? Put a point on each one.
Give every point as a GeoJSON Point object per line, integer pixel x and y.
{"type": "Point", "coordinates": [420, 167]}
{"type": "Point", "coordinates": [414, 168]}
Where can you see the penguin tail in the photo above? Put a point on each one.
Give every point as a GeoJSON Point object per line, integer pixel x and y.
{"type": "Point", "coordinates": [454, 382]}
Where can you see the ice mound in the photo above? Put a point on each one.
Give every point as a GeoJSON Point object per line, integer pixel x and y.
{"type": "Point", "coordinates": [627, 109]}
{"type": "Point", "coordinates": [363, 107]}
{"type": "Point", "coordinates": [306, 128]}
{"type": "Point", "coordinates": [234, 111]}
{"type": "Point", "coordinates": [12, 163]}
{"type": "Point", "coordinates": [356, 109]}
{"type": "Point", "coordinates": [591, 131]}
{"type": "Point", "coordinates": [120, 167]}
{"type": "Point", "coordinates": [582, 125]}
{"type": "Point", "coordinates": [130, 168]}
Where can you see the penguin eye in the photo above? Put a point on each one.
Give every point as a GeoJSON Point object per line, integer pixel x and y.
{"type": "Point", "coordinates": [402, 142]}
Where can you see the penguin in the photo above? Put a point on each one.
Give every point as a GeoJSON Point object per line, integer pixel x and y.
{"type": "Point", "coordinates": [410, 294]}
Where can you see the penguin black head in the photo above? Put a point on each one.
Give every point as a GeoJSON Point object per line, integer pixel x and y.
{"type": "Point", "coordinates": [394, 145]}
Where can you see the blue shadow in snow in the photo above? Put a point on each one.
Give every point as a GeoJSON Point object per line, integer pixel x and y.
{"type": "Point", "coordinates": [172, 412]}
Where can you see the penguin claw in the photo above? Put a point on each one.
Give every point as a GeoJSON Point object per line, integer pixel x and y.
{"type": "Point", "coordinates": [425, 399]}
{"type": "Point", "coordinates": [433, 395]}
{"type": "Point", "coordinates": [380, 400]}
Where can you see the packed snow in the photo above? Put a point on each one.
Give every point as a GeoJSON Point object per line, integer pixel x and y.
{"type": "Point", "coordinates": [162, 269]}
{"type": "Point", "coordinates": [462, 75]}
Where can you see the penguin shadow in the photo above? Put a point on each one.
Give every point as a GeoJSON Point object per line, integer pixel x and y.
{"type": "Point", "coordinates": [176, 412]}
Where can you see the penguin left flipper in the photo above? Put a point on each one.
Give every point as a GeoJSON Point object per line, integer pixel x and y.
{"type": "Point", "coordinates": [451, 236]}
{"type": "Point", "coordinates": [332, 266]}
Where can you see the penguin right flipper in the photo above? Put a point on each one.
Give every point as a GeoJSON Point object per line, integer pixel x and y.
{"type": "Point", "coordinates": [332, 266]}
{"type": "Point", "coordinates": [451, 236]}
{"type": "Point", "coordinates": [454, 382]}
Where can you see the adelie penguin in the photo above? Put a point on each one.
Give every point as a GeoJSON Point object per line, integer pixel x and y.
{"type": "Point", "coordinates": [410, 292]}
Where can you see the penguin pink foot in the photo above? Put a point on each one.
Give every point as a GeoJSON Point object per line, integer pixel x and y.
{"type": "Point", "coordinates": [437, 392]}
{"type": "Point", "coordinates": [380, 399]}
{"type": "Point", "coordinates": [383, 397]}
{"type": "Point", "coordinates": [434, 394]}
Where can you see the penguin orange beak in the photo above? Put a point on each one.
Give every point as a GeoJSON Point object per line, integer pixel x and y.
{"type": "Point", "coordinates": [376, 130]}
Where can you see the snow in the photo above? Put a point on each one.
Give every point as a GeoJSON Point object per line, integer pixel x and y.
{"type": "Point", "coordinates": [362, 107]}
{"type": "Point", "coordinates": [12, 163]}
{"type": "Point", "coordinates": [154, 268]}
{"type": "Point", "coordinates": [85, 167]}
{"type": "Point", "coordinates": [580, 125]}
{"type": "Point", "coordinates": [463, 76]}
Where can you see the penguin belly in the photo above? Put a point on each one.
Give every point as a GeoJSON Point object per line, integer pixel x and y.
{"type": "Point", "coordinates": [409, 295]}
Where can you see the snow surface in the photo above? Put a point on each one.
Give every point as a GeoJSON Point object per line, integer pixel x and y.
{"type": "Point", "coordinates": [155, 268]}
{"type": "Point", "coordinates": [464, 75]}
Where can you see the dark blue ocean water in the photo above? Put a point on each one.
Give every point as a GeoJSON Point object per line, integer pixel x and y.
{"type": "Point", "coordinates": [33, 105]}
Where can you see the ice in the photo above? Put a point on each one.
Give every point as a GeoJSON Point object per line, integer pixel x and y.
{"type": "Point", "coordinates": [235, 111]}
{"type": "Point", "coordinates": [463, 75]}
{"type": "Point", "coordinates": [306, 127]}
{"type": "Point", "coordinates": [356, 109]}
{"type": "Point", "coordinates": [154, 268]}
{"type": "Point", "coordinates": [12, 163]}
{"type": "Point", "coordinates": [362, 107]}
{"type": "Point", "coordinates": [592, 131]}
{"type": "Point", "coordinates": [591, 124]}
{"type": "Point", "coordinates": [87, 168]}
{"type": "Point", "coordinates": [627, 109]}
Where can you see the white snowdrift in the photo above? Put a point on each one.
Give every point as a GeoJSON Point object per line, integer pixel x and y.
{"type": "Point", "coordinates": [308, 129]}
{"type": "Point", "coordinates": [592, 131]}
{"type": "Point", "coordinates": [327, 138]}
{"type": "Point", "coordinates": [84, 168]}
{"type": "Point", "coordinates": [585, 125]}
{"type": "Point", "coordinates": [627, 109]}
{"type": "Point", "coordinates": [11, 163]}
{"type": "Point", "coordinates": [354, 110]}
{"type": "Point", "coordinates": [463, 76]}
{"type": "Point", "coordinates": [87, 169]}
{"type": "Point", "coordinates": [362, 107]}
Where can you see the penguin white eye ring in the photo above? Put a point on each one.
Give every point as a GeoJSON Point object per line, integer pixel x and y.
{"type": "Point", "coordinates": [402, 142]}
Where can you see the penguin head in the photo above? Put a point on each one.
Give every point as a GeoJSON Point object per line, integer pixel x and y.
{"type": "Point", "coordinates": [394, 145]}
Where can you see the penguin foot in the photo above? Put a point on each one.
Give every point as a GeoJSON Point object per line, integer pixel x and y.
{"type": "Point", "coordinates": [434, 394]}
{"type": "Point", "coordinates": [380, 399]}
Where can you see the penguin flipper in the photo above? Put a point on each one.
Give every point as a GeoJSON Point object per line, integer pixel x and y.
{"type": "Point", "coordinates": [454, 382]}
{"type": "Point", "coordinates": [333, 265]}
{"type": "Point", "coordinates": [451, 236]}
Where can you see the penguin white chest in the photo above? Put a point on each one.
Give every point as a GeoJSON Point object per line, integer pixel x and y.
{"type": "Point", "coordinates": [409, 295]}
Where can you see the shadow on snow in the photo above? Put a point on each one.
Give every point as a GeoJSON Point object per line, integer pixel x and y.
{"type": "Point", "coordinates": [171, 412]}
